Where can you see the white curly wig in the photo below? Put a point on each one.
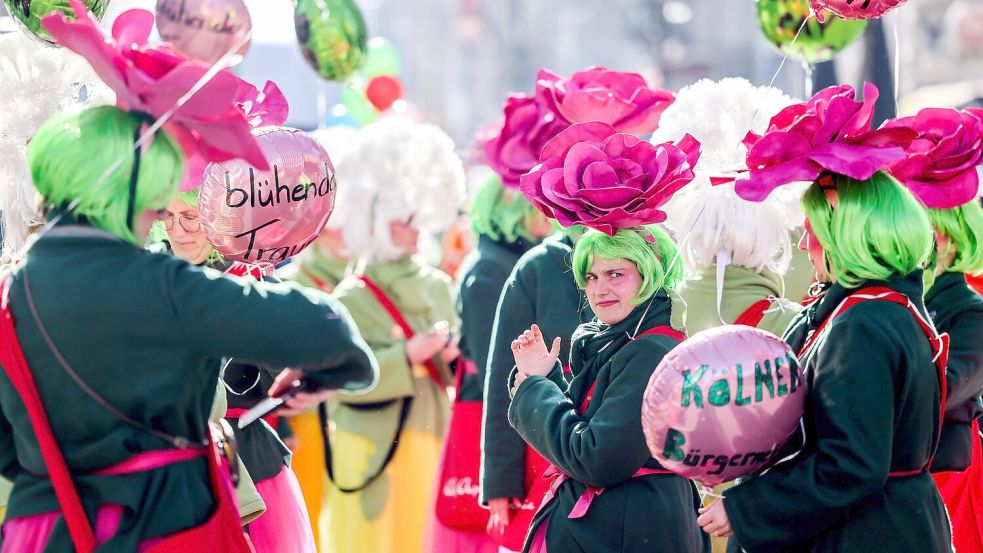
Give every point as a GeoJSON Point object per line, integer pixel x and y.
{"type": "Point", "coordinates": [36, 82]}
{"type": "Point", "coordinates": [395, 169]}
{"type": "Point", "coordinates": [337, 141]}
{"type": "Point", "coordinates": [754, 235]}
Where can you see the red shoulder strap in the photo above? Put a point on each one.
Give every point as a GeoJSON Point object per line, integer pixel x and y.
{"type": "Point", "coordinates": [397, 317]}
{"type": "Point", "coordinates": [939, 342]}
{"type": "Point", "coordinates": [663, 330]}
{"type": "Point", "coordinates": [15, 365]}
{"type": "Point", "coordinates": [752, 315]}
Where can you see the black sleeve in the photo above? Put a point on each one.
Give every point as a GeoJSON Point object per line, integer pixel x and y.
{"type": "Point", "coordinates": [964, 375]}
{"type": "Point", "coordinates": [478, 301]}
{"type": "Point", "coordinates": [280, 324]}
{"type": "Point", "coordinates": [503, 451]}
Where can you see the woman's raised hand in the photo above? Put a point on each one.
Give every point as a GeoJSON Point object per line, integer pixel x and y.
{"type": "Point", "coordinates": [531, 355]}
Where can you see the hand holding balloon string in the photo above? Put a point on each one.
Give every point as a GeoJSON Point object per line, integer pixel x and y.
{"type": "Point", "coordinates": [714, 520]}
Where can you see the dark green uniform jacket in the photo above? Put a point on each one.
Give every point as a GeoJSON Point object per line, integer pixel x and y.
{"type": "Point", "coordinates": [481, 277]}
{"type": "Point", "coordinates": [605, 446]}
{"type": "Point", "coordinates": [148, 332]}
{"type": "Point", "coordinates": [541, 290]}
{"type": "Point", "coordinates": [872, 408]}
{"type": "Point", "coordinates": [958, 310]}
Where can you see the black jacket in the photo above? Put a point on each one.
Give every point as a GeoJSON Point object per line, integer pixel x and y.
{"type": "Point", "coordinates": [605, 446]}
{"type": "Point", "coordinates": [872, 408]}
{"type": "Point", "coordinates": [480, 280]}
{"type": "Point", "coordinates": [541, 290]}
{"type": "Point", "coordinates": [958, 310]}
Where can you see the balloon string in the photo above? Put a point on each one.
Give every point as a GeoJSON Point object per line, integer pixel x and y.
{"type": "Point", "coordinates": [771, 83]}
{"type": "Point", "coordinates": [148, 135]}
{"type": "Point", "coordinates": [706, 492]}
{"type": "Point", "coordinates": [665, 275]}
{"type": "Point", "coordinates": [897, 67]}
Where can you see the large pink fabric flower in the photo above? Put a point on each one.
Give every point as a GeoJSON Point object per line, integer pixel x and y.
{"type": "Point", "coordinates": [259, 109]}
{"type": "Point", "coordinates": [830, 132]}
{"type": "Point", "coordinates": [622, 100]}
{"type": "Point", "coordinates": [527, 127]}
{"type": "Point", "coordinates": [151, 78]}
{"type": "Point", "coordinates": [940, 165]}
{"type": "Point", "coordinates": [592, 175]}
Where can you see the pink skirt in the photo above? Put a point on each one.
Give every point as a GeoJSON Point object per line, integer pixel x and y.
{"type": "Point", "coordinates": [30, 534]}
{"type": "Point", "coordinates": [285, 526]}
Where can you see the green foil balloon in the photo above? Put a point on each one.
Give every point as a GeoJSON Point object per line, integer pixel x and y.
{"type": "Point", "coordinates": [332, 36]}
{"type": "Point", "coordinates": [780, 20]}
{"type": "Point", "coordinates": [28, 14]}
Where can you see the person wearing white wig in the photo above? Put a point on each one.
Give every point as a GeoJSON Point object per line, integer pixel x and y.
{"type": "Point", "coordinates": [399, 181]}
{"type": "Point", "coordinates": [734, 252]}
{"type": "Point", "coordinates": [36, 82]}
{"type": "Point", "coordinates": [322, 266]}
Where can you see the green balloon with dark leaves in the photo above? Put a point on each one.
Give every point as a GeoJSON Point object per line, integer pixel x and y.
{"type": "Point", "coordinates": [28, 14]}
{"type": "Point", "coordinates": [332, 36]}
{"type": "Point", "coordinates": [780, 20]}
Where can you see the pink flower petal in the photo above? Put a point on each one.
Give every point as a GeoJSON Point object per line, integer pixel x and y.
{"type": "Point", "coordinates": [609, 198]}
{"type": "Point", "coordinates": [857, 161]}
{"type": "Point", "coordinates": [956, 191]}
{"type": "Point", "coordinates": [593, 131]}
{"type": "Point", "coordinates": [759, 183]}
{"type": "Point", "coordinates": [132, 27]}
{"type": "Point", "coordinates": [599, 175]}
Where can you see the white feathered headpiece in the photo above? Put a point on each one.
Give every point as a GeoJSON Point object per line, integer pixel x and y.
{"type": "Point", "coordinates": [35, 83]}
{"type": "Point", "coordinates": [754, 235]}
{"type": "Point", "coordinates": [394, 169]}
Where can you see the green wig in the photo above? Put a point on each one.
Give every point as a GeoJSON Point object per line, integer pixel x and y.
{"type": "Point", "coordinates": [500, 214]}
{"type": "Point", "coordinates": [963, 226]}
{"type": "Point", "coordinates": [877, 229]}
{"type": "Point", "coordinates": [71, 151]}
{"type": "Point", "coordinates": [650, 248]}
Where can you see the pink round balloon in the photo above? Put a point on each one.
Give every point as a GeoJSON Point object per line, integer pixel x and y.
{"type": "Point", "coordinates": [204, 29]}
{"type": "Point", "coordinates": [722, 403]}
{"type": "Point", "coordinates": [265, 217]}
{"type": "Point", "coordinates": [854, 9]}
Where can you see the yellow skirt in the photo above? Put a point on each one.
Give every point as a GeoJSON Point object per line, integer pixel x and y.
{"type": "Point", "coordinates": [389, 515]}
{"type": "Point", "coordinates": [308, 464]}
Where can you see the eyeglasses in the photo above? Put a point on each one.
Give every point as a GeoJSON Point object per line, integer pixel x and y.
{"type": "Point", "coordinates": [187, 222]}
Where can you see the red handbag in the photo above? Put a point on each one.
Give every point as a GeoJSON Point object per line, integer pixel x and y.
{"type": "Point", "coordinates": [537, 485]}
{"type": "Point", "coordinates": [458, 505]}
{"type": "Point", "coordinates": [962, 493]}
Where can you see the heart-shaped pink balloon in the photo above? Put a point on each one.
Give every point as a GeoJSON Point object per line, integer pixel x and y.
{"type": "Point", "coordinates": [265, 217]}
{"type": "Point", "coordinates": [854, 9]}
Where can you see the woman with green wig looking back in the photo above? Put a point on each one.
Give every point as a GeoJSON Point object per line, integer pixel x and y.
{"type": "Point", "coordinates": [590, 428]}
{"type": "Point", "coordinates": [607, 493]}
{"type": "Point", "coordinates": [128, 345]}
